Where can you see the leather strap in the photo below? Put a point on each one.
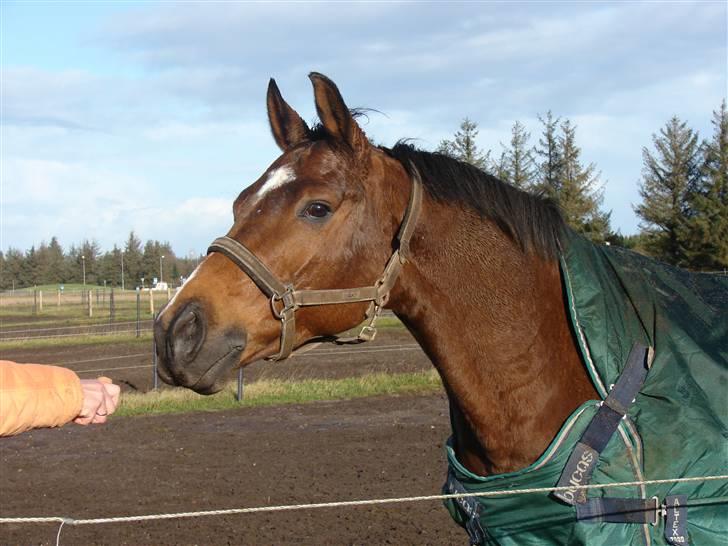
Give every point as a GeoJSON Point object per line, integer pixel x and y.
{"type": "Point", "coordinates": [285, 299]}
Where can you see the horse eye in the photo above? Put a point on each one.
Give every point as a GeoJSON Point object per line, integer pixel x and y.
{"type": "Point", "coordinates": [317, 211]}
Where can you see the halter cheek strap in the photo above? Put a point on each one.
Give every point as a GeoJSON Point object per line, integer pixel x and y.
{"type": "Point", "coordinates": [285, 299]}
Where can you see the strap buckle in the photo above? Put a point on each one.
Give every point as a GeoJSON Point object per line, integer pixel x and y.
{"type": "Point", "coordinates": [288, 303]}
{"type": "Point", "coordinates": [367, 333]}
{"type": "Point", "coordinates": [660, 511]}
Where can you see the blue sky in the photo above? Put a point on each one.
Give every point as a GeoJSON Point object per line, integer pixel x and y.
{"type": "Point", "coordinates": [150, 116]}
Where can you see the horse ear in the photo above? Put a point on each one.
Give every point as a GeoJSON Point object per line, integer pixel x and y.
{"type": "Point", "coordinates": [335, 115]}
{"type": "Point", "coordinates": [287, 126]}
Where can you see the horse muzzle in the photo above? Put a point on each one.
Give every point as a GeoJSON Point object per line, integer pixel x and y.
{"type": "Point", "coordinates": [190, 355]}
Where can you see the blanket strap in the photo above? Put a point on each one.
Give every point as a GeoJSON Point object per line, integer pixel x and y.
{"type": "Point", "coordinates": [585, 456]}
{"type": "Point", "coordinates": [619, 510]}
{"type": "Point", "coordinates": [470, 507]}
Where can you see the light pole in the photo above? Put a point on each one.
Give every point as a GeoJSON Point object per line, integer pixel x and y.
{"type": "Point", "coordinates": [122, 270]}
{"type": "Point", "coordinates": [161, 277]}
{"type": "Point", "coordinates": [83, 264]}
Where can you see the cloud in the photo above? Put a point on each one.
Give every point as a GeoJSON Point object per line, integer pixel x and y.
{"type": "Point", "coordinates": [78, 202]}
{"type": "Point", "coordinates": [164, 145]}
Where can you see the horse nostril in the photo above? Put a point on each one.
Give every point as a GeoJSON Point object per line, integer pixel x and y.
{"type": "Point", "coordinates": [186, 334]}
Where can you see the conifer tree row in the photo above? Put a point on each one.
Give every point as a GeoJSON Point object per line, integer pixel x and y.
{"type": "Point", "coordinates": [49, 264]}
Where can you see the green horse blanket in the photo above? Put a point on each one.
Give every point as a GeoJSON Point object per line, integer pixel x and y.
{"type": "Point", "coordinates": [676, 427]}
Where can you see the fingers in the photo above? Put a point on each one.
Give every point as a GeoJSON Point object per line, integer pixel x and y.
{"type": "Point", "coordinates": [100, 399]}
{"type": "Point", "coordinates": [114, 392]}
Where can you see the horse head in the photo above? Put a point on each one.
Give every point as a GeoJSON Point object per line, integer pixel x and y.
{"type": "Point", "coordinates": [320, 223]}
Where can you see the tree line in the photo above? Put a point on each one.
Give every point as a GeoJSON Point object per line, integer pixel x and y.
{"type": "Point", "coordinates": [683, 211]}
{"type": "Point", "coordinates": [50, 264]}
{"type": "Point", "coordinates": [683, 185]}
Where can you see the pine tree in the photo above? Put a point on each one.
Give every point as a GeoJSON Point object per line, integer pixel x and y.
{"type": "Point", "coordinates": [109, 265]}
{"type": "Point", "coordinates": [580, 193]}
{"type": "Point", "coordinates": [670, 175]}
{"type": "Point", "coordinates": [133, 261]}
{"type": "Point", "coordinates": [705, 230]}
{"type": "Point", "coordinates": [551, 166]}
{"type": "Point", "coordinates": [12, 273]}
{"type": "Point", "coordinates": [464, 147]}
{"type": "Point", "coordinates": [90, 253]}
{"type": "Point", "coordinates": [517, 164]}
{"type": "Point", "coordinates": [55, 272]}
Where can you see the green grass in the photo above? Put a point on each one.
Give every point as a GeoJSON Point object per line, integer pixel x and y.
{"type": "Point", "coordinates": [277, 392]}
{"type": "Point", "coordinates": [76, 319]}
{"type": "Point", "coordinates": [67, 287]}
{"type": "Point", "coordinates": [80, 340]}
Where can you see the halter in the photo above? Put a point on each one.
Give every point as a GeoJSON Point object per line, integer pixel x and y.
{"type": "Point", "coordinates": [285, 299]}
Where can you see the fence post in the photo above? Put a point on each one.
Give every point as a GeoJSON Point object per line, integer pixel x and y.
{"type": "Point", "coordinates": [169, 295]}
{"type": "Point", "coordinates": [239, 395]}
{"type": "Point", "coordinates": [90, 304]}
{"type": "Point", "coordinates": [112, 307]}
{"type": "Point", "coordinates": [40, 301]}
{"type": "Point", "coordinates": [59, 297]}
{"type": "Point", "coordinates": [35, 302]}
{"type": "Point", "coordinates": [151, 302]}
{"type": "Point", "coordinates": [155, 378]}
{"type": "Point", "coordinates": [139, 310]}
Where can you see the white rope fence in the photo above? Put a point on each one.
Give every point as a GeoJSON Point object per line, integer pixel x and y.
{"type": "Point", "coordinates": [338, 504]}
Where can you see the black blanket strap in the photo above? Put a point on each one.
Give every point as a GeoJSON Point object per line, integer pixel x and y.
{"type": "Point", "coordinates": [583, 460]}
{"type": "Point", "coordinates": [619, 510]}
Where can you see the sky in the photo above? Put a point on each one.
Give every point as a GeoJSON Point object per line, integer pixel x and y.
{"type": "Point", "coordinates": [150, 116]}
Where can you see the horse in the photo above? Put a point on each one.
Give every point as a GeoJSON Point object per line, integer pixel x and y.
{"type": "Point", "coordinates": [337, 229]}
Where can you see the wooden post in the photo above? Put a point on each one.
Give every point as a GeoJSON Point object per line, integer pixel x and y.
{"type": "Point", "coordinates": [40, 301]}
{"type": "Point", "coordinates": [168, 293]}
{"type": "Point", "coordinates": [138, 310]}
{"type": "Point", "coordinates": [59, 297]}
{"type": "Point", "coordinates": [90, 304]}
{"type": "Point", "coordinates": [151, 302]}
{"type": "Point", "coordinates": [35, 302]}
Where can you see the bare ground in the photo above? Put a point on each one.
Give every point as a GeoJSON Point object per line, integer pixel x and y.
{"type": "Point", "coordinates": [327, 451]}
{"type": "Point", "coordinates": [359, 449]}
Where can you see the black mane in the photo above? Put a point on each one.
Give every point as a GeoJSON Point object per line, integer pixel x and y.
{"type": "Point", "coordinates": [532, 221]}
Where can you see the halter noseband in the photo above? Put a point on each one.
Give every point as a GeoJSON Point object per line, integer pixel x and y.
{"type": "Point", "coordinates": [285, 300]}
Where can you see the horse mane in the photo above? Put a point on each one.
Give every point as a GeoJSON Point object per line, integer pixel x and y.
{"type": "Point", "coordinates": [533, 221]}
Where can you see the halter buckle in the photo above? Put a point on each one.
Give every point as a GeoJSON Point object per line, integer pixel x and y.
{"type": "Point", "coordinates": [286, 299]}
{"type": "Point", "coordinates": [367, 333]}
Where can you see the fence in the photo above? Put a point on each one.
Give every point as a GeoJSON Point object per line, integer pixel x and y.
{"type": "Point", "coordinates": [42, 314]}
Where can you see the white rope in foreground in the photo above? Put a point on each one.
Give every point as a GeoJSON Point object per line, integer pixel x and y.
{"type": "Point", "coordinates": [369, 502]}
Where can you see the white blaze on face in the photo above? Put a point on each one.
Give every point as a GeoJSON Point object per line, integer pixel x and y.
{"type": "Point", "coordinates": [276, 179]}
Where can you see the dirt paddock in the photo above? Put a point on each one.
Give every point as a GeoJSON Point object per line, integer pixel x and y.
{"type": "Point", "coordinates": [327, 451]}
{"type": "Point", "coordinates": [320, 452]}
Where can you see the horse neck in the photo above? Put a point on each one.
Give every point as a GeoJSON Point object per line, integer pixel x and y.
{"type": "Point", "coordinates": [493, 321]}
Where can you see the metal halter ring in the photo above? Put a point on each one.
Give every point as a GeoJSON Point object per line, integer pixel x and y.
{"type": "Point", "coordinates": [288, 303]}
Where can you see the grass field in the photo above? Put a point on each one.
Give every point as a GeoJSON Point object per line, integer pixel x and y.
{"type": "Point", "coordinates": [267, 393]}
{"type": "Point", "coordinates": [80, 340]}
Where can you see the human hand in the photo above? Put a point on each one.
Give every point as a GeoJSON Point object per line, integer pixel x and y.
{"type": "Point", "coordinates": [100, 398]}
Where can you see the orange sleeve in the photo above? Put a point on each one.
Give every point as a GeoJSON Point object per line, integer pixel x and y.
{"type": "Point", "coordinates": [36, 395]}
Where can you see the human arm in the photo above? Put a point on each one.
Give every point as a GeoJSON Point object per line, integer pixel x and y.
{"type": "Point", "coordinates": [35, 395]}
